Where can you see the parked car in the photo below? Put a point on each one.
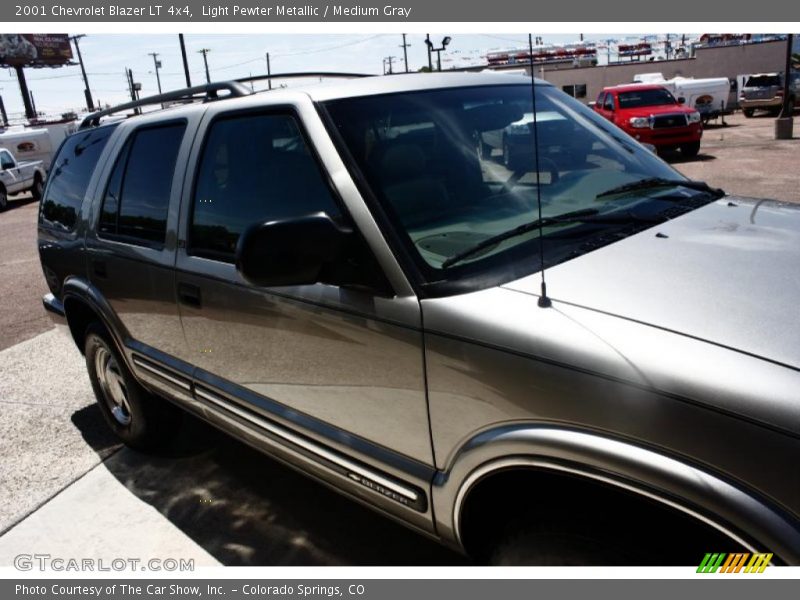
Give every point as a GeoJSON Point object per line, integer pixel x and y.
{"type": "Point", "coordinates": [19, 177]}
{"type": "Point", "coordinates": [338, 276]}
{"type": "Point", "coordinates": [764, 91]}
{"type": "Point", "coordinates": [514, 141]}
{"type": "Point", "coordinates": [651, 114]}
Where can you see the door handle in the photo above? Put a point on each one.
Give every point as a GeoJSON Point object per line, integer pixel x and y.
{"type": "Point", "coordinates": [189, 294]}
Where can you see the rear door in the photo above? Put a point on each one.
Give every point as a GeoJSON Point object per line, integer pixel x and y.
{"type": "Point", "coordinates": [336, 370]}
{"type": "Point", "coordinates": [131, 246]}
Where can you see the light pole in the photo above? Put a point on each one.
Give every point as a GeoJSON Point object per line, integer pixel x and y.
{"type": "Point", "coordinates": [204, 52]}
{"type": "Point", "coordinates": [429, 44]}
{"type": "Point", "coordinates": [157, 64]}
{"type": "Point", "coordinates": [86, 92]}
{"type": "Point", "coordinates": [445, 42]}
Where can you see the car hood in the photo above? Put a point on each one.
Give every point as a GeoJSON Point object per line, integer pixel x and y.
{"type": "Point", "coordinates": [664, 109]}
{"type": "Point", "coordinates": [727, 273]}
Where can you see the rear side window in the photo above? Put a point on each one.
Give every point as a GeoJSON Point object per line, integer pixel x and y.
{"type": "Point", "coordinates": [136, 201]}
{"type": "Point", "coordinates": [253, 168]}
{"type": "Point", "coordinates": [69, 177]}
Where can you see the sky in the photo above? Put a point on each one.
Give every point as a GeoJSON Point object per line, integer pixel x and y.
{"type": "Point", "coordinates": [231, 56]}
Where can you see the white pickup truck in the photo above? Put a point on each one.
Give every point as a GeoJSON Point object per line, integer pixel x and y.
{"type": "Point", "coordinates": [18, 177]}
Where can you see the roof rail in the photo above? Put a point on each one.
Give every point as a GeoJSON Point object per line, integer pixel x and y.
{"type": "Point", "coordinates": [297, 75]}
{"type": "Point", "coordinates": [206, 92]}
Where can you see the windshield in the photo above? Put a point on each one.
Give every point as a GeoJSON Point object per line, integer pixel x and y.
{"type": "Point", "coordinates": [453, 168]}
{"type": "Point", "coordinates": [655, 97]}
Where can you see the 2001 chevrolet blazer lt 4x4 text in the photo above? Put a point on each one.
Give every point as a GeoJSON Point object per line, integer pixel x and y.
{"type": "Point", "coordinates": [348, 277]}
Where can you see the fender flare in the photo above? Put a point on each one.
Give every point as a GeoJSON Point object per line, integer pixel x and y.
{"type": "Point", "coordinates": [83, 291]}
{"type": "Point", "coordinates": [720, 503]}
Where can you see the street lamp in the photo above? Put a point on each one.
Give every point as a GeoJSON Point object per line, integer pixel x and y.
{"type": "Point", "coordinates": [445, 41]}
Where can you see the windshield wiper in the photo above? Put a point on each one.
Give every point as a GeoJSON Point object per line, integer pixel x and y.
{"type": "Point", "coordinates": [574, 216]}
{"type": "Point", "coordinates": [656, 182]}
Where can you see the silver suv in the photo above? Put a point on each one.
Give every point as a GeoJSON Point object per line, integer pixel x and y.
{"type": "Point", "coordinates": [765, 91]}
{"type": "Point", "coordinates": [341, 277]}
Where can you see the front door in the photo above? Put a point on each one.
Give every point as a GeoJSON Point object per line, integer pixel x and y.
{"type": "Point", "coordinates": [341, 365]}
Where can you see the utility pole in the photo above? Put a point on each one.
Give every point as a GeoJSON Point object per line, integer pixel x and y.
{"type": "Point", "coordinates": [429, 44]}
{"type": "Point", "coordinates": [157, 65]}
{"type": "Point", "coordinates": [132, 89]}
{"type": "Point", "coordinates": [204, 52]}
{"type": "Point", "coordinates": [405, 52]}
{"type": "Point", "coordinates": [185, 61]}
{"type": "Point", "coordinates": [269, 73]}
{"type": "Point", "coordinates": [33, 104]}
{"type": "Point", "coordinates": [389, 60]}
{"type": "Point", "coordinates": [86, 92]}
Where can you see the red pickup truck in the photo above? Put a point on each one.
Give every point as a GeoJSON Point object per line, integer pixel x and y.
{"type": "Point", "coordinates": [652, 115]}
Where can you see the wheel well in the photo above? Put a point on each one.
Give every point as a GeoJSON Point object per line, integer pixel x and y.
{"type": "Point", "coordinates": [653, 533]}
{"type": "Point", "coordinates": [79, 316]}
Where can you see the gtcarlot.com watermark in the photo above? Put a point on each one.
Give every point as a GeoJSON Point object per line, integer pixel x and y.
{"type": "Point", "coordinates": [47, 562]}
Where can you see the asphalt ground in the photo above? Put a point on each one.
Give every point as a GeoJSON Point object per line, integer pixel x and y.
{"type": "Point", "coordinates": [64, 478]}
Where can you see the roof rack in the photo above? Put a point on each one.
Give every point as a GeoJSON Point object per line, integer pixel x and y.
{"type": "Point", "coordinates": [207, 92]}
{"type": "Point", "coordinates": [300, 74]}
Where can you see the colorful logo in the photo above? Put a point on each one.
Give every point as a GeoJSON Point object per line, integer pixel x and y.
{"type": "Point", "coordinates": [734, 563]}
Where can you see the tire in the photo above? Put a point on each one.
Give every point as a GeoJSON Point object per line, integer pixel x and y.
{"type": "Point", "coordinates": [690, 150]}
{"type": "Point", "coordinates": [526, 543]}
{"type": "Point", "coordinates": [3, 199]}
{"type": "Point", "coordinates": [748, 112]}
{"type": "Point", "coordinates": [138, 418]}
{"type": "Point", "coordinates": [38, 188]}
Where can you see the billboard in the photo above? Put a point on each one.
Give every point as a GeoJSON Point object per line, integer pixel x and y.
{"type": "Point", "coordinates": [34, 49]}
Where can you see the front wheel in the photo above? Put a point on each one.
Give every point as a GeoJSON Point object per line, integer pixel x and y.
{"type": "Point", "coordinates": [748, 112]}
{"type": "Point", "coordinates": [536, 544]}
{"type": "Point", "coordinates": [690, 150]}
{"type": "Point", "coordinates": [140, 419]}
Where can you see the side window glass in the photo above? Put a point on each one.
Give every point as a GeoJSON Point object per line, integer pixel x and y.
{"type": "Point", "coordinates": [69, 177]}
{"type": "Point", "coordinates": [6, 160]}
{"type": "Point", "coordinates": [136, 201]}
{"type": "Point", "coordinates": [252, 169]}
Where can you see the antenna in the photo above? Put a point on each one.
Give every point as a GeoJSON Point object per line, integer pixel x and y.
{"type": "Point", "coordinates": [544, 301]}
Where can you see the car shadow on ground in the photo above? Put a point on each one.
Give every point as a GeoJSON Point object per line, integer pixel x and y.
{"type": "Point", "coordinates": [245, 508]}
{"type": "Point", "coordinates": [676, 158]}
{"type": "Point", "coordinates": [14, 202]}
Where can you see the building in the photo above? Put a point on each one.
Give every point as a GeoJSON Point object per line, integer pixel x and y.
{"type": "Point", "coordinates": [731, 61]}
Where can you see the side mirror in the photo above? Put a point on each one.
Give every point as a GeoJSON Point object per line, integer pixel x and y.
{"type": "Point", "coordinates": [681, 100]}
{"type": "Point", "coordinates": [290, 252]}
